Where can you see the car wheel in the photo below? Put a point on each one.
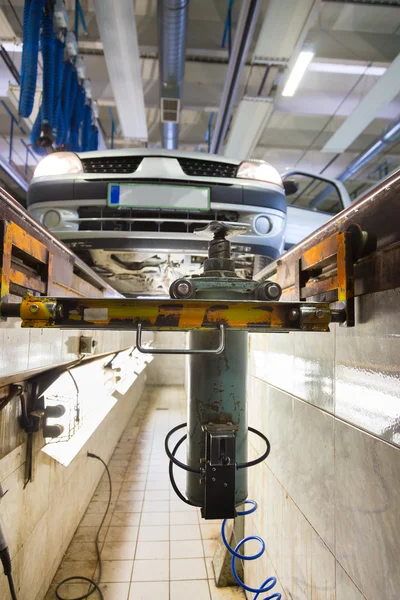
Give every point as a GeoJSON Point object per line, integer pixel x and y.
{"type": "Point", "coordinates": [260, 262]}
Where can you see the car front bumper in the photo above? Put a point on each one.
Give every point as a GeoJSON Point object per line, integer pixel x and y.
{"type": "Point", "coordinates": [238, 192]}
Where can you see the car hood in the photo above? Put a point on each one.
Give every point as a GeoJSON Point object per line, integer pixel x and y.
{"type": "Point", "coordinates": [150, 152]}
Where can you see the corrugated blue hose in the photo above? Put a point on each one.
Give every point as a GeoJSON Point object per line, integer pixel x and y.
{"type": "Point", "coordinates": [86, 125]}
{"type": "Point", "coordinates": [59, 67]}
{"type": "Point", "coordinates": [76, 120]}
{"type": "Point", "coordinates": [74, 88]}
{"type": "Point", "coordinates": [35, 134]}
{"type": "Point", "coordinates": [65, 100]}
{"type": "Point", "coordinates": [33, 10]}
{"type": "Point", "coordinates": [47, 43]}
{"type": "Point", "coordinates": [94, 138]}
{"type": "Point", "coordinates": [268, 583]}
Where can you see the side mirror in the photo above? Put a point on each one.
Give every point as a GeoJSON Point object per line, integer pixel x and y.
{"type": "Point", "coordinates": [291, 186]}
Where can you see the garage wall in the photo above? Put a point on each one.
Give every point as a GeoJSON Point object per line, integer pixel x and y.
{"type": "Point", "coordinates": [167, 369]}
{"type": "Point", "coordinates": [329, 493]}
{"type": "Point", "coordinates": [40, 520]}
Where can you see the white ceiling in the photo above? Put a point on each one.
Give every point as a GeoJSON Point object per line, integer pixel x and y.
{"type": "Point", "coordinates": [357, 34]}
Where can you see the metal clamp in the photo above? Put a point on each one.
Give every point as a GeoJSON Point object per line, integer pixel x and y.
{"type": "Point", "coordinates": [145, 350]}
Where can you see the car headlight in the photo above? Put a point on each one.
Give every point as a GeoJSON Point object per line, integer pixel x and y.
{"type": "Point", "coordinates": [59, 163]}
{"type": "Point", "coordinates": [259, 170]}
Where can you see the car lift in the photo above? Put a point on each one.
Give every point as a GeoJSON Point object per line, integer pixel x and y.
{"type": "Point", "coordinates": [318, 280]}
{"type": "Point", "coordinates": [218, 308]}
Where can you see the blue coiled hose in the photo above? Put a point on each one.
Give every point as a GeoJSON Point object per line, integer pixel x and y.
{"type": "Point", "coordinates": [47, 48]}
{"type": "Point", "coordinates": [268, 583]}
{"type": "Point", "coordinates": [33, 10]}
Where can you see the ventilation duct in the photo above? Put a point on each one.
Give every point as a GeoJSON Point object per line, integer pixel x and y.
{"type": "Point", "coordinates": [117, 27]}
{"type": "Point", "coordinates": [172, 21]}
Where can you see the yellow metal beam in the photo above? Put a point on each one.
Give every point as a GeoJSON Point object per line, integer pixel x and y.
{"type": "Point", "coordinates": [174, 315]}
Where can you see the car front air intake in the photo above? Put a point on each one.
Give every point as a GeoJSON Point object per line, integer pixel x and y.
{"type": "Point", "coordinates": [111, 164]}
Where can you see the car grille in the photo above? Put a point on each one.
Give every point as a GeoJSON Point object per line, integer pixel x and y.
{"type": "Point", "coordinates": [110, 219]}
{"type": "Point", "coordinates": [207, 168]}
{"type": "Point", "coordinates": [129, 164]}
{"type": "Point", "coordinates": [111, 164]}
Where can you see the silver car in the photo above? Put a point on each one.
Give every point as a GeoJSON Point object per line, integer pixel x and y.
{"type": "Point", "coordinates": [132, 214]}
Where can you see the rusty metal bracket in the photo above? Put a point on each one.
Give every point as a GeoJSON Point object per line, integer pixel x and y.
{"type": "Point", "coordinates": [328, 267]}
{"type": "Point", "coordinates": [25, 262]}
{"type": "Point", "coordinates": [172, 315]}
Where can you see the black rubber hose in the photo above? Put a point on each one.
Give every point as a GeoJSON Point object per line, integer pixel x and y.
{"type": "Point", "coordinates": [171, 474]}
{"type": "Point", "coordinates": [171, 456]}
{"type": "Point", "coordinates": [6, 562]}
{"type": "Point", "coordinates": [78, 578]}
{"type": "Point", "coordinates": [261, 458]}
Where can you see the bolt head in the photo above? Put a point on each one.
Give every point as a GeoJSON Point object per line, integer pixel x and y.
{"type": "Point", "coordinates": [34, 308]}
{"type": "Point", "coordinates": [274, 291]}
{"type": "Point", "coordinates": [183, 288]}
{"type": "Point", "coordinates": [319, 314]}
{"type": "Point", "coordinates": [294, 314]}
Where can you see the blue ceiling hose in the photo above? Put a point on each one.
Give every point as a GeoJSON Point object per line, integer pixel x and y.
{"type": "Point", "coordinates": [47, 48]}
{"type": "Point", "coordinates": [268, 583]}
{"type": "Point", "coordinates": [59, 123]}
{"type": "Point", "coordinates": [33, 10]}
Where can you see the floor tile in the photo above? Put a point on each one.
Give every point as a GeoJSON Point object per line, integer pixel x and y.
{"type": "Point", "coordinates": [71, 568]}
{"type": "Point", "coordinates": [185, 532]}
{"type": "Point", "coordinates": [159, 590]}
{"type": "Point", "coordinates": [125, 519]}
{"type": "Point", "coordinates": [133, 506]}
{"type": "Point", "coordinates": [118, 550]}
{"type": "Point", "coordinates": [144, 570]}
{"type": "Point", "coordinates": [155, 506]}
{"type": "Point", "coordinates": [210, 531]}
{"type": "Point", "coordinates": [88, 534]}
{"type": "Point", "coordinates": [157, 495]}
{"type": "Point", "coordinates": [81, 551]}
{"type": "Point", "coordinates": [187, 549]}
{"type": "Point", "coordinates": [226, 593]}
{"type": "Point", "coordinates": [68, 591]}
{"type": "Point", "coordinates": [128, 496]}
{"type": "Point", "coordinates": [152, 550]}
{"type": "Point", "coordinates": [114, 591]}
{"type": "Point", "coordinates": [182, 590]}
{"type": "Point", "coordinates": [184, 518]}
{"type": "Point", "coordinates": [134, 486]}
{"type": "Point", "coordinates": [162, 518]}
{"type": "Point", "coordinates": [188, 568]}
{"type": "Point", "coordinates": [156, 533]}
{"type": "Point", "coordinates": [209, 547]}
{"type": "Point", "coordinates": [122, 534]}
{"type": "Point", "coordinates": [116, 570]}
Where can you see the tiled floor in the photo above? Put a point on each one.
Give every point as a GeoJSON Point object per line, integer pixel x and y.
{"type": "Point", "coordinates": [153, 545]}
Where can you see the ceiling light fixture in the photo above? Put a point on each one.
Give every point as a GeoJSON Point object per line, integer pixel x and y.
{"type": "Point", "coordinates": [391, 133]}
{"type": "Point", "coordinates": [297, 73]}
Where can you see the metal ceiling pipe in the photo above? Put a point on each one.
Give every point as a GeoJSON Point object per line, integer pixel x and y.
{"type": "Point", "coordinates": [172, 26]}
{"type": "Point", "coordinates": [244, 34]}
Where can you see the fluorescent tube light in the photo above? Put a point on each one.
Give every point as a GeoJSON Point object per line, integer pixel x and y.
{"type": "Point", "coordinates": [296, 75]}
{"type": "Point", "coordinates": [391, 132]}
{"type": "Point", "coordinates": [345, 69]}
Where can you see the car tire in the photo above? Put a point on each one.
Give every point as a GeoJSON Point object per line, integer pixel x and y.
{"type": "Point", "coordinates": [260, 262]}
